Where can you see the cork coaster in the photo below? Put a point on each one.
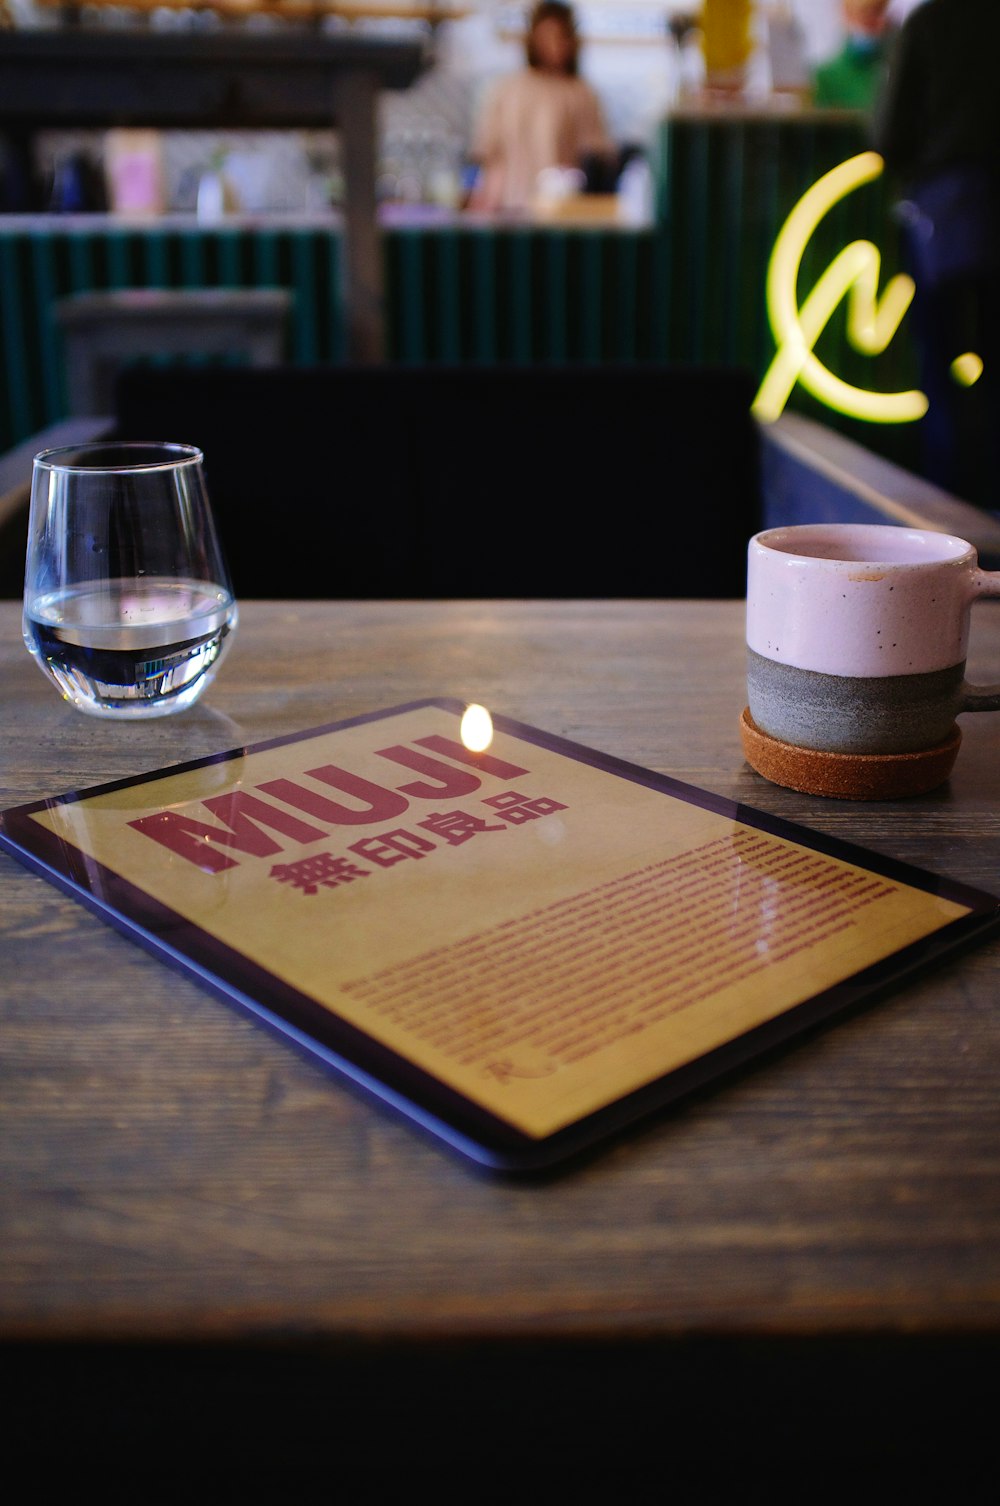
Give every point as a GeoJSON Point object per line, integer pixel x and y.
{"type": "Point", "coordinates": [848, 776]}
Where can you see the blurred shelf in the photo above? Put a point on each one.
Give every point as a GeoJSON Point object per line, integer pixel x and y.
{"type": "Point", "coordinates": [97, 77]}
{"type": "Point", "coordinates": [291, 10]}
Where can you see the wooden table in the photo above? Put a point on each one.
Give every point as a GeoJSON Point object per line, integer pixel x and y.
{"type": "Point", "coordinates": [207, 1240]}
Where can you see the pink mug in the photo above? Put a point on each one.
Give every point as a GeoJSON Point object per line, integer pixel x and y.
{"type": "Point", "coordinates": [857, 636]}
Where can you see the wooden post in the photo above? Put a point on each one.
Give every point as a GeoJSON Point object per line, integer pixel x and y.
{"type": "Point", "coordinates": [363, 273]}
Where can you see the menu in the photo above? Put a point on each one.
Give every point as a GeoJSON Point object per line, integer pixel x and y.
{"type": "Point", "coordinates": [523, 948]}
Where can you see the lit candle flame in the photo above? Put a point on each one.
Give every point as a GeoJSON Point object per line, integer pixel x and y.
{"type": "Point", "coordinates": [476, 730]}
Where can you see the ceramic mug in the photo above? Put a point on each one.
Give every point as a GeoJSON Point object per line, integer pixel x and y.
{"type": "Point", "coordinates": [857, 636]}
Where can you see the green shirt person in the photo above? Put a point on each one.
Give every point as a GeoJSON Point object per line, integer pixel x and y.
{"type": "Point", "coordinates": [851, 80]}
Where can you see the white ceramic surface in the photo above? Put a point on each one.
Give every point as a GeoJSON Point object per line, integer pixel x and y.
{"type": "Point", "coordinates": [862, 599]}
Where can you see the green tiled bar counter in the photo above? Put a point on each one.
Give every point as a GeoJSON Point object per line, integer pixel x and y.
{"type": "Point", "coordinates": [455, 293]}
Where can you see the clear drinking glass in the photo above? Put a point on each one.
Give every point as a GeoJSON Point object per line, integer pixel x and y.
{"type": "Point", "coordinates": [128, 605]}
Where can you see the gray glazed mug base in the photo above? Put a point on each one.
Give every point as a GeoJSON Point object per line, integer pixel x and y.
{"type": "Point", "coordinates": [853, 714]}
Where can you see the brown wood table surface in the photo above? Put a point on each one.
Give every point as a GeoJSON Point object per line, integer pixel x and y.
{"type": "Point", "coordinates": [176, 1180]}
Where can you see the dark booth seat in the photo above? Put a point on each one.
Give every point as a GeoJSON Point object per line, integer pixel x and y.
{"type": "Point", "coordinates": [423, 482]}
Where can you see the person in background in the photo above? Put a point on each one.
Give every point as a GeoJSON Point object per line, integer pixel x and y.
{"type": "Point", "coordinates": [544, 116]}
{"type": "Point", "coordinates": [937, 126]}
{"type": "Point", "coordinates": [851, 80]}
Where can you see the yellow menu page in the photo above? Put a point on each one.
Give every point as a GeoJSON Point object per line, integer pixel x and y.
{"type": "Point", "coordinates": [541, 934]}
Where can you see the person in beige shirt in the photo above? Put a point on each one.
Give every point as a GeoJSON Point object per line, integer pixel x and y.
{"type": "Point", "coordinates": [544, 116]}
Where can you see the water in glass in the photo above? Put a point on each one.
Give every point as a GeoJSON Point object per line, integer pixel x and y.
{"type": "Point", "coordinates": [128, 606]}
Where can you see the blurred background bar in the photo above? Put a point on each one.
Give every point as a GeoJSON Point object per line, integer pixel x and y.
{"type": "Point", "coordinates": [687, 286]}
{"type": "Point", "coordinates": [229, 166]}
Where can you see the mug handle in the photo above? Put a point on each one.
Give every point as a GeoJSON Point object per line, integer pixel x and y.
{"type": "Point", "coordinates": [982, 697]}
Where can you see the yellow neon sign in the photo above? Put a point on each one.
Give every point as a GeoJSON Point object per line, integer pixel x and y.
{"type": "Point", "coordinates": [872, 321]}
{"type": "Point", "coordinates": [967, 368]}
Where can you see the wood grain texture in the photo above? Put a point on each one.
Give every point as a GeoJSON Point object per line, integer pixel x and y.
{"type": "Point", "coordinates": [170, 1166]}
{"type": "Point", "coordinates": [172, 1174]}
